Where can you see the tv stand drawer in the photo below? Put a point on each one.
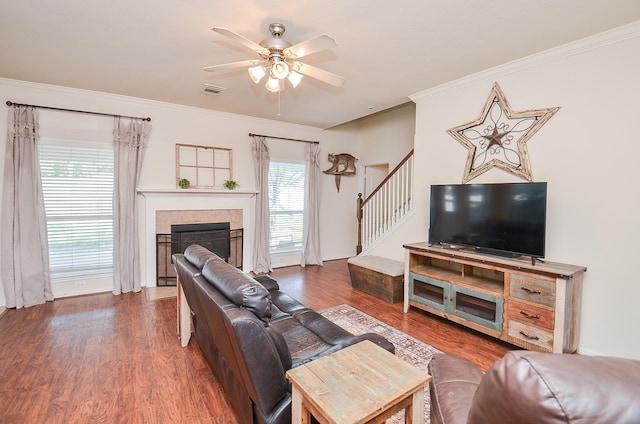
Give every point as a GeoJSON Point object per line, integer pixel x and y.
{"type": "Point", "coordinates": [531, 334]}
{"type": "Point", "coordinates": [533, 289]}
{"type": "Point", "coordinates": [533, 315]}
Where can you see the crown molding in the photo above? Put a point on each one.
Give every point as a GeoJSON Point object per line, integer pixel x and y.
{"type": "Point", "coordinates": [69, 97]}
{"type": "Point", "coordinates": [591, 43]}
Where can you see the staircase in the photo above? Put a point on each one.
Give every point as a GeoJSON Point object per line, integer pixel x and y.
{"type": "Point", "coordinates": [387, 205]}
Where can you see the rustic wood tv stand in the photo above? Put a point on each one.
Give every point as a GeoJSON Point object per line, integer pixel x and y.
{"type": "Point", "coordinates": [536, 307]}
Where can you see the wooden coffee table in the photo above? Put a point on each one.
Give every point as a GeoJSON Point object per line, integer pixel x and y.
{"type": "Point", "coordinates": [362, 383]}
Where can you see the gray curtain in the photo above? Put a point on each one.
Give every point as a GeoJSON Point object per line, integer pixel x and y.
{"type": "Point", "coordinates": [129, 143]}
{"type": "Point", "coordinates": [25, 250]}
{"type": "Point", "coordinates": [311, 241]}
{"type": "Point", "coordinates": [260, 258]}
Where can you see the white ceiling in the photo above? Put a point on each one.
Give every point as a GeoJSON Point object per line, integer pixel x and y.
{"type": "Point", "coordinates": [387, 50]}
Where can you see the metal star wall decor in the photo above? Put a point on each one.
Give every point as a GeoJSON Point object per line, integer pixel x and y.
{"type": "Point", "coordinates": [499, 137]}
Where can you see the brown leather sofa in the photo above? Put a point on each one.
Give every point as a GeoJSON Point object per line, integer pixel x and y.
{"type": "Point", "coordinates": [251, 333]}
{"type": "Point", "coordinates": [532, 387]}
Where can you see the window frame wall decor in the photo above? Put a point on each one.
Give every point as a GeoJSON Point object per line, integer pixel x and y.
{"type": "Point", "coordinates": [203, 166]}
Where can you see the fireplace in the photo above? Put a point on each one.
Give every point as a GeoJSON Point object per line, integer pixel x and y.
{"type": "Point", "coordinates": [217, 237]}
{"type": "Point", "coordinates": [166, 207]}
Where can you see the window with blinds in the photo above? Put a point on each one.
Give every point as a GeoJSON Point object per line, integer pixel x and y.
{"type": "Point", "coordinates": [286, 206]}
{"type": "Point", "coordinates": [77, 183]}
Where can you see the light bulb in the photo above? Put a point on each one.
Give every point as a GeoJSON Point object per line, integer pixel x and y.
{"type": "Point", "coordinates": [257, 73]}
{"type": "Point", "coordinates": [273, 85]}
{"type": "Point", "coordinates": [280, 70]}
{"type": "Point", "coordinates": [294, 78]}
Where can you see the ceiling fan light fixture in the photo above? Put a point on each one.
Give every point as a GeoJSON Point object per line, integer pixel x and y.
{"type": "Point", "coordinates": [279, 59]}
{"type": "Point", "coordinates": [257, 73]}
{"type": "Point", "coordinates": [295, 78]}
{"type": "Point", "coordinates": [273, 85]}
{"type": "Point", "coordinates": [280, 70]}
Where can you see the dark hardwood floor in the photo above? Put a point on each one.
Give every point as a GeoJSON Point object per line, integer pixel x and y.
{"type": "Point", "coordinates": [116, 359]}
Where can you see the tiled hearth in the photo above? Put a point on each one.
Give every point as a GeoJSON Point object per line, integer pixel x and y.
{"type": "Point", "coordinates": [161, 208]}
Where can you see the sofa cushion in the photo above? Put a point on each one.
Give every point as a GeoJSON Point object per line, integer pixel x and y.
{"type": "Point", "coordinates": [304, 345]}
{"type": "Point", "coordinates": [198, 255]}
{"type": "Point", "coordinates": [533, 387]}
{"type": "Point", "coordinates": [238, 287]}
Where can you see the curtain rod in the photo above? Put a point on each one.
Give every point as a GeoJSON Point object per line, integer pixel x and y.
{"type": "Point", "coordinates": [283, 138]}
{"type": "Point", "coordinates": [10, 103]}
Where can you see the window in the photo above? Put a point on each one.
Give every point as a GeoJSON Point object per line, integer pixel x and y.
{"type": "Point", "coordinates": [77, 183]}
{"type": "Point", "coordinates": [286, 206]}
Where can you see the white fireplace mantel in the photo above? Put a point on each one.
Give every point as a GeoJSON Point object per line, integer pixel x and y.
{"type": "Point", "coordinates": [195, 192]}
{"type": "Point", "coordinates": [191, 199]}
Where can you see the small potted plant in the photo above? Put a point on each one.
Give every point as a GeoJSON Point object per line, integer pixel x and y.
{"type": "Point", "coordinates": [231, 184]}
{"type": "Point", "coordinates": [184, 183]}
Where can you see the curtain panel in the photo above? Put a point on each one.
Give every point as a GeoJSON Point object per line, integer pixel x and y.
{"type": "Point", "coordinates": [311, 239]}
{"type": "Point", "coordinates": [25, 250]}
{"type": "Point", "coordinates": [129, 144]}
{"type": "Point", "coordinates": [261, 258]}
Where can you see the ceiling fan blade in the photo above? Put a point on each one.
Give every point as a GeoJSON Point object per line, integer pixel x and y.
{"type": "Point", "coordinates": [242, 40]}
{"type": "Point", "coordinates": [319, 74]}
{"type": "Point", "coordinates": [233, 65]}
{"type": "Point", "coordinates": [313, 45]}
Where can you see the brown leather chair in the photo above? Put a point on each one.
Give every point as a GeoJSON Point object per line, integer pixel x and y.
{"type": "Point", "coordinates": [532, 387]}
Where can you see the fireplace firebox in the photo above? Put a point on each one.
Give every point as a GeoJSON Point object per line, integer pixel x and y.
{"type": "Point", "coordinates": [217, 237]}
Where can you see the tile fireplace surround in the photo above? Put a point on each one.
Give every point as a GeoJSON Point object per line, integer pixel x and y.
{"type": "Point", "coordinates": [162, 207]}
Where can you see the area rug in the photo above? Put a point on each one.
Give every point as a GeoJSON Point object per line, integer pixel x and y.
{"type": "Point", "coordinates": [409, 349]}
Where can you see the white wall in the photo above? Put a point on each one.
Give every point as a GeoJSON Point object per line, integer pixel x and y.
{"type": "Point", "coordinates": [180, 124]}
{"type": "Point", "coordinates": [387, 136]}
{"type": "Point", "coordinates": [384, 137]}
{"type": "Point", "coordinates": [338, 223]}
{"type": "Point", "coordinates": [588, 153]}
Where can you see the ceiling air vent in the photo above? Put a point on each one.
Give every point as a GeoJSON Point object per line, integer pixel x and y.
{"type": "Point", "coordinates": [212, 89]}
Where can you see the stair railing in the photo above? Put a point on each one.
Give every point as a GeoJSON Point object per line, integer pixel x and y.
{"type": "Point", "coordinates": [386, 204]}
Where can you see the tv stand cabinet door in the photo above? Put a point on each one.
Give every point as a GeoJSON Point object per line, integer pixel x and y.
{"type": "Point", "coordinates": [482, 308]}
{"type": "Point", "coordinates": [429, 291]}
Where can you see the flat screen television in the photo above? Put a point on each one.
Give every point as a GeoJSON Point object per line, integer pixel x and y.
{"type": "Point", "coordinates": [502, 219]}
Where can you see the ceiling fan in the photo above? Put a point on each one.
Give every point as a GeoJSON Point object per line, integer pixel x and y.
{"type": "Point", "coordinates": [279, 59]}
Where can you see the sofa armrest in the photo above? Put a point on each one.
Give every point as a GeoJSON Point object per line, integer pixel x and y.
{"type": "Point", "coordinates": [532, 387]}
{"type": "Point", "coordinates": [335, 335]}
{"type": "Point", "coordinates": [268, 282]}
{"type": "Point", "coordinates": [372, 337]}
{"type": "Point", "coordinates": [452, 387]}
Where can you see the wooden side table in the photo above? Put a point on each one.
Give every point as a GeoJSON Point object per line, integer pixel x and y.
{"type": "Point", "coordinates": [359, 384]}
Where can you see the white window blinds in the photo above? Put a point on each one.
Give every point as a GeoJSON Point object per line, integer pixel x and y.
{"type": "Point", "coordinates": [286, 205]}
{"type": "Point", "coordinates": [77, 182]}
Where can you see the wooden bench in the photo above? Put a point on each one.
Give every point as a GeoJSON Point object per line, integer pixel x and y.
{"type": "Point", "coordinates": [380, 277]}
